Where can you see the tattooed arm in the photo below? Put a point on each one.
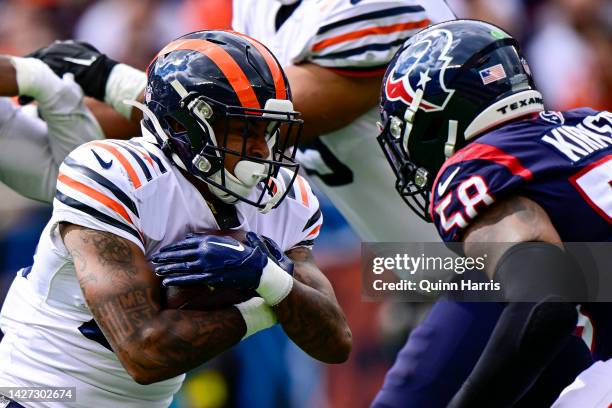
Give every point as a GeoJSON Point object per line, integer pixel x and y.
{"type": "Point", "coordinates": [124, 297]}
{"type": "Point", "coordinates": [311, 315]}
{"type": "Point", "coordinates": [506, 223]}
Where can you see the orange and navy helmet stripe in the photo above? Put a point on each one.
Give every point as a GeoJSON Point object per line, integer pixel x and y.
{"type": "Point", "coordinates": [225, 62]}
{"type": "Point", "coordinates": [246, 65]}
{"type": "Point", "coordinates": [280, 82]}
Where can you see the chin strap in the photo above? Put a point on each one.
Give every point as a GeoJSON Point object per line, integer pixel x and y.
{"type": "Point", "coordinates": [449, 147]}
{"type": "Point", "coordinates": [149, 115]}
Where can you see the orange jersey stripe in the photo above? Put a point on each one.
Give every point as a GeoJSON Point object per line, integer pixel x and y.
{"type": "Point", "coordinates": [140, 150]}
{"type": "Point", "coordinates": [225, 62]}
{"type": "Point", "coordinates": [124, 162]}
{"type": "Point", "coordinates": [303, 193]}
{"type": "Point", "coordinates": [96, 195]}
{"type": "Point", "coordinates": [369, 31]}
{"type": "Point", "coordinates": [277, 75]}
{"type": "Point", "coordinates": [314, 231]}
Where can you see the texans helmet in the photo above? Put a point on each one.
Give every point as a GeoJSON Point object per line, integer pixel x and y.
{"type": "Point", "coordinates": [205, 83]}
{"type": "Point", "coordinates": [447, 85]}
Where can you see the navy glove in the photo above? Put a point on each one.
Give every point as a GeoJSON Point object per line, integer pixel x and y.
{"type": "Point", "coordinates": [272, 250]}
{"type": "Point", "coordinates": [224, 262]}
{"type": "Point", "coordinates": [90, 67]}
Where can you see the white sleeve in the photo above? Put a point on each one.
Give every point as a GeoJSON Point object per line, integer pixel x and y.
{"type": "Point", "coordinates": [237, 16]}
{"type": "Point", "coordinates": [26, 163]}
{"type": "Point", "coordinates": [362, 38]}
{"type": "Point", "coordinates": [60, 104]}
{"type": "Point", "coordinates": [33, 149]}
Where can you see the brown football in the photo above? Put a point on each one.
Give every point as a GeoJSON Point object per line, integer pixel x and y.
{"type": "Point", "coordinates": [206, 297]}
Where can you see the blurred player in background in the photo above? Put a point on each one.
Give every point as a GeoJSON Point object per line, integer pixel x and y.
{"type": "Point", "coordinates": [33, 148]}
{"type": "Point", "coordinates": [335, 53]}
{"type": "Point", "coordinates": [88, 312]}
{"type": "Point", "coordinates": [474, 151]}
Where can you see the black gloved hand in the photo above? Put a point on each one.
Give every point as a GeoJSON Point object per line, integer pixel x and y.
{"type": "Point", "coordinates": [89, 66]}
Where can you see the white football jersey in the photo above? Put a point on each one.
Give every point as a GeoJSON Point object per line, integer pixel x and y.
{"type": "Point", "coordinates": [355, 38]}
{"type": "Point", "coordinates": [128, 188]}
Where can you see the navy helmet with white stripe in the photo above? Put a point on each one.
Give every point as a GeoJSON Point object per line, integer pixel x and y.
{"type": "Point", "coordinates": [445, 87]}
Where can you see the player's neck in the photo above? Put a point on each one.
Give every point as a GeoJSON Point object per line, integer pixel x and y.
{"type": "Point", "coordinates": [202, 187]}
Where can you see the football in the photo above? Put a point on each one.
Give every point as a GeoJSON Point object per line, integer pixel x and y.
{"type": "Point", "coordinates": [206, 297]}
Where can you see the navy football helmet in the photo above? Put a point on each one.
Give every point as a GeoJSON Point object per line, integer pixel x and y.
{"type": "Point", "coordinates": [447, 85]}
{"type": "Point", "coordinates": [208, 83]}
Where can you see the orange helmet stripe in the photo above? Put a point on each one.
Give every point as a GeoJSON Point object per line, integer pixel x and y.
{"type": "Point", "coordinates": [275, 70]}
{"type": "Point", "coordinates": [225, 62]}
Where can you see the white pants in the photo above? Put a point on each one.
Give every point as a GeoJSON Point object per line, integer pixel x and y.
{"type": "Point", "coordinates": [591, 389]}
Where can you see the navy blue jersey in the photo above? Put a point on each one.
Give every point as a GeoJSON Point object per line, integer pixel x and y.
{"type": "Point", "coordinates": [560, 160]}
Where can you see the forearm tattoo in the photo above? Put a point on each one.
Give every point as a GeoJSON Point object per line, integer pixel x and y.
{"type": "Point", "coordinates": [166, 343]}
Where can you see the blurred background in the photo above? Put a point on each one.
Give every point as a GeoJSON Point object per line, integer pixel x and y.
{"type": "Point", "coordinates": [568, 44]}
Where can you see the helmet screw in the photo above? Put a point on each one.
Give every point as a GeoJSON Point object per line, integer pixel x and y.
{"type": "Point", "coordinates": [201, 163]}
{"type": "Point", "coordinates": [396, 127]}
{"type": "Point", "coordinates": [206, 111]}
{"type": "Point", "coordinates": [420, 177]}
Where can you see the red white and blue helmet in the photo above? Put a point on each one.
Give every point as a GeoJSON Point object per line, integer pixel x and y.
{"type": "Point", "coordinates": [445, 87]}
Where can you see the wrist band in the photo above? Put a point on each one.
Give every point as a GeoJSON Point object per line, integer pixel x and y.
{"type": "Point", "coordinates": [124, 82]}
{"type": "Point", "coordinates": [257, 315]}
{"type": "Point", "coordinates": [275, 283]}
{"type": "Point", "coordinates": [36, 79]}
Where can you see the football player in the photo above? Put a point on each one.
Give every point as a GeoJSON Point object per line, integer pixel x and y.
{"type": "Point", "coordinates": [473, 150]}
{"type": "Point", "coordinates": [213, 155]}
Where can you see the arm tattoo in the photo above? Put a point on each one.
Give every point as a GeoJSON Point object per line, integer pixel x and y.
{"type": "Point", "coordinates": [125, 299]}
{"type": "Point", "coordinates": [311, 315]}
{"type": "Point", "coordinates": [113, 252]}
{"type": "Point", "coordinates": [165, 342]}
{"type": "Point", "coordinates": [516, 219]}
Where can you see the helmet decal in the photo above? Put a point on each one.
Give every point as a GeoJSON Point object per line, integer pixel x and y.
{"type": "Point", "coordinates": [399, 87]}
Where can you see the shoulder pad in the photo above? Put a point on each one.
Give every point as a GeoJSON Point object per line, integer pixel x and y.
{"type": "Point", "coordinates": [471, 180]}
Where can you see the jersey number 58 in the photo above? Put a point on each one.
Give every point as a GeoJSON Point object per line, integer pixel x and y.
{"type": "Point", "coordinates": [472, 192]}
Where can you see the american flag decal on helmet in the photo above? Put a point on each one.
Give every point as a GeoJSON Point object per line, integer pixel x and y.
{"type": "Point", "coordinates": [492, 74]}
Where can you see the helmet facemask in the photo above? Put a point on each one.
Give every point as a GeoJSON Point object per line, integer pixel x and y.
{"type": "Point", "coordinates": [412, 181]}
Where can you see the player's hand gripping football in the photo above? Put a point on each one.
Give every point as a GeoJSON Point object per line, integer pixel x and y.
{"type": "Point", "coordinates": [89, 66]}
{"type": "Point", "coordinates": [224, 262]}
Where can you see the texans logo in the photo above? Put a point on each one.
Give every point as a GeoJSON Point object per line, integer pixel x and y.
{"type": "Point", "coordinates": [428, 56]}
